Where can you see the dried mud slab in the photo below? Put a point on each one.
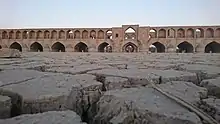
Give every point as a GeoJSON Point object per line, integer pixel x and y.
{"type": "Point", "coordinates": [8, 77]}
{"type": "Point", "coordinates": [213, 86]}
{"type": "Point", "coordinates": [140, 106]}
{"type": "Point", "coordinates": [204, 71]}
{"type": "Point", "coordinates": [52, 117]}
{"type": "Point", "coordinates": [185, 90]}
{"type": "Point", "coordinates": [52, 92]}
{"type": "Point", "coordinates": [143, 76]}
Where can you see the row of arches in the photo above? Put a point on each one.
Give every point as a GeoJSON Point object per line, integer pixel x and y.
{"type": "Point", "coordinates": [59, 47]}
{"type": "Point", "coordinates": [77, 34]}
{"type": "Point", "coordinates": [103, 34]}
{"type": "Point", "coordinates": [185, 47]}
{"type": "Point", "coordinates": [185, 33]}
{"type": "Point", "coordinates": [158, 47]}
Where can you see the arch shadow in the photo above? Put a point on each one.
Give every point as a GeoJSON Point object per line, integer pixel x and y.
{"type": "Point", "coordinates": [213, 47]}
{"type": "Point", "coordinates": [36, 47]}
{"type": "Point", "coordinates": [129, 47]}
{"type": "Point", "coordinates": [16, 45]}
{"type": "Point", "coordinates": [81, 47]}
{"type": "Point", "coordinates": [160, 48]}
{"type": "Point", "coordinates": [185, 47]}
{"type": "Point", "coordinates": [58, 47]}
{"type": "Point", "coordinates": [104, 47]}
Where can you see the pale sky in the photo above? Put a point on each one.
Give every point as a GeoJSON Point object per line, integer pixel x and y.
{"type": "Point", "coordinates": [107, 13]}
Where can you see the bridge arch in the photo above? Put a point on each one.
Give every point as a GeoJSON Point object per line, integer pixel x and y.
{"type": "Point", "coordinates": [36, 47]}
{"type": "Point", "coordinates": [58, 47]}
{"type": "Point", "coordinates": [213, 47]}
{"type": "Point", "coordinates": [104, 47]}
{"type": "Point", "coordinates": [185, 47]}
{"type": "Point", "coordinates": [159, 47]}
{"type": "Point", "coordinates": [16, 45]}
{"type": "Point", "coordinates": [130, 47]}
{"type": "Point", "coordinates": [81, 47]}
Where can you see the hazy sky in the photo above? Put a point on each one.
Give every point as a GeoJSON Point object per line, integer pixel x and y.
{"type": "Point", "coordinates": [107, 13]}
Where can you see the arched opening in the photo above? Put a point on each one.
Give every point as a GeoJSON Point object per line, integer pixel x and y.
{"type": "Point", "coordinates": [85, 34]}
{"type": "Point", "coordinates": [69, 34]}
{"type": "Point", "coordinates": [39, 34]}
{"type": "Point", "coordinates": [171, 33]}
{"type": "Point", "coordinates": [109, 34]}
{"type": "Point", "coordinates": [4, 35]}
{"type": "Point", "coordinates": [130, 47]}
{"type": "Point", "coordinates": [93, 34]}
{"type": "Point", "coordinates": [100, 34]}
{"type": "Point", "coordinates": [217, 32]}
{"type": "Point", "coordinates": [185, 47]}
{"type": "Point", "coordinates": [199, 33]}
{"type": "Point", "coordinates": [81, 47]}
{"type": "Point", "coordinates": [36, 47]}
{"type": "Point", "coordinates": [18, 35]}
{"type": "Point", "coordinates": [209, 33]}
{"type": "Point", "coordinates": [11, 35]}
{"type": "Point", "coordinates": [162, 33]}
{"type": "Point", "coordinates": [180, 33]}
{"type": "Point", "coordinates": [46, 34]}
{"type": "Point", "coordinates": [31, 34]}
{"type": "Point", "coordinates": [16, 45]}
{"type": "Point", "coordinates": [61, 34]}
{"type": "Point", "coordinates": [212, 47]}
{"type": "Point", "coordinates": [130, 33]}
{"type": "Point", "coordinates": [130, 30]}
{"type": "Point", "coordinates": [58, 47]}
{"type": "Point", "coordinates": [190, 33]}
{"type": "Point", "coordinates": [54, 34]}
{"type": "Point", "coordinates": [77, 34]}
{"type": "Point", "coordinates": [25, 35]}
{"type": "Point", "coordinates": [0, 47]}
{"type": "Point", "coordinates": [104, 47]}
{"type": "Point", "coordinates": [153, 33]}
{"type": "Point", "coordinates": [159, 47]}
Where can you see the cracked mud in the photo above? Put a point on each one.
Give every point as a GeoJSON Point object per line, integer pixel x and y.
{"type": "Point", "coordinates": [102, 88]}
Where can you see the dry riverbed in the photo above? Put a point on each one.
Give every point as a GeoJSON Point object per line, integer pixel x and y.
{"type": "Point", "coordinates": [104, 88]}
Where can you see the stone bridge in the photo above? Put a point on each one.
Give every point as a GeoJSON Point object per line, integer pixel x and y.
{"type": "Point", "coordinates": [127, 38]}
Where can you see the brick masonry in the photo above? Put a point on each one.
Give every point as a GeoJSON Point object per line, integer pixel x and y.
{"type": "Point", "coordinates": [133, 38]}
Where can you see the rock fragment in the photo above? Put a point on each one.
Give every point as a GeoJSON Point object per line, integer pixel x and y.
{"type": "Point", "coordinates": [5, 107]}
{"type": "Point", "coordinates": [213, 86]}
{"type": "Point", "coordinates": [52, 117]}
{"type": "Point", "coordinates": [210, 106]}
